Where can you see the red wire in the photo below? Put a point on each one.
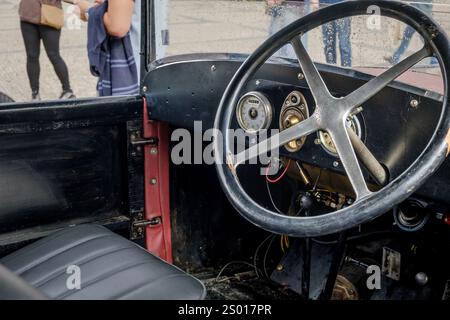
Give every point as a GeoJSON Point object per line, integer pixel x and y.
{"type": "Point", "coordinates": [281, 175]}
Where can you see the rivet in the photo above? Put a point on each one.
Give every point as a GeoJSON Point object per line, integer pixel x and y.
{"type": "Point", "coordinates": [335, 164]}
{"type": "Point", "coordinates": [301, 76]}
{"type": "Point", "coordinates": [153, 151]}
{"type": "Point", "coordinates": [280, 267]}
{"type": "Point", "coordinates": [213, 68]}
{"type": "Point", "coordinates": [144, 88]}
{"type": "Point", "coordinates": [153, 181]}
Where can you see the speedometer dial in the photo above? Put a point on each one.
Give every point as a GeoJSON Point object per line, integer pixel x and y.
{"type": "Point", "coordinates": [254, 112]}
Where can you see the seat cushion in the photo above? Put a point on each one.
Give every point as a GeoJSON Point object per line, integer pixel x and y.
{"type": "Point", "coordinates": [110, 266]}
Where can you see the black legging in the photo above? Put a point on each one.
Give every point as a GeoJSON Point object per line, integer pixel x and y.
{"type": "Point", "coordinates": [32, 35]}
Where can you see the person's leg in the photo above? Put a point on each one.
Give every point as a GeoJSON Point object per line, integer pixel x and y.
{"type": "Point", "coordinates": [345, 47]}
{"type": "Point", "coordinates": [50, 37]}
{"type": "Point", "coordinates": [292, 12]}
{"type": "Point", "coordinates": [407, 36]}
{"type": "Point", "coordinates": [31, 39]}
{"type": "Point", "coordinates": [305, 9]}
{"type": "Point", "coordinates": [276, 24]}
{"type": "Point", "coordinates": [329, 41]}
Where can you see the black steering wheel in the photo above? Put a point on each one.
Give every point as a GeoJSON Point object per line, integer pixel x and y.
{"type": "Point", "coordinates": [330, 114]}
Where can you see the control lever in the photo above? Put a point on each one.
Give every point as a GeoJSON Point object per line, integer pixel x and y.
{"type": "Point", "coordinates": [369, 161]}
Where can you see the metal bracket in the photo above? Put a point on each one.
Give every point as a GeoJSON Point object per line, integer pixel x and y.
{"type": "Point", "coordinates": [139, 224]}
{"type": "Point", "coordinates": [137, 142]}
{"type": "Point", "coordinates": [143, 223]}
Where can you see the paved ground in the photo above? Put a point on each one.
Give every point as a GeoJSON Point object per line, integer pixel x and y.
{"type": "Point", "coordinates": [195, 26]}
{"type": "Point", "coordinates": [14, 81]}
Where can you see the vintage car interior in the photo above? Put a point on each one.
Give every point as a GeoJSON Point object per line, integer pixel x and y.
{"type": "Point", "coordinates": [361, 179]}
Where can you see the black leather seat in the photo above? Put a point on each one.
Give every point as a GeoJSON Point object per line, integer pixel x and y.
{"type": "Point", "coordinates": [111, 267]}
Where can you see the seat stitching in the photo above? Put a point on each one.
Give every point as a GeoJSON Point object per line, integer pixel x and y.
{"type": "Point", "coordinates": [103, 277]}
{"type": "Point", "coordinates": [79, 263]}
{"type": "Point", "coordinates": [56, 253]}
{"type": "Point", "coordinates": [121, 296]}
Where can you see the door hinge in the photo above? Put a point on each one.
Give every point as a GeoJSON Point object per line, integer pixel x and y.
{"type": "Point", "coordinates": [143, 223]}
{"type": "Point", "coordinates": [137, 140]}
{"type": "Point", "coordinates": [138, 226]}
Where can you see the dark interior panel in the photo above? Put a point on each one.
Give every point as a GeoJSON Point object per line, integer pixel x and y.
{"type": "Point", "coordinates": [58, 175]}
{"type": "Point", "coordinates": [68, 162]}
{"type": "Point", "coordinates": [395, 132]}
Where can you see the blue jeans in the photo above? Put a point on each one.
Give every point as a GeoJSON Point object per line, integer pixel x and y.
{"type": "Point", "coordinates": [409, 32]}
{"type": "Point", "coordinates": [406, 39]}
{"type": "Point", "coordinates": [338, 30]}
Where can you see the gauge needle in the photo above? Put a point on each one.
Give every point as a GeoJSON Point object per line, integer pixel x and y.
{"type": "Point", "coordinates": [368, 159]}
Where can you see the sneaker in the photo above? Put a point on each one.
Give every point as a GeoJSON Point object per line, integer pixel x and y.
{"type": "Point", "coordinates": [35, 96]}
{"type": "Point", "coordinates": [67, 94]}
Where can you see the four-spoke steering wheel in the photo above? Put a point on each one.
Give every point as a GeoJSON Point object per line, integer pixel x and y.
{"type": "Point", "coordinates": [330, 114]}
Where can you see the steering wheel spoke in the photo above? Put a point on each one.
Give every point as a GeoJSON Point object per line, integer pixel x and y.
{"type": "Point", "coordinates": [275, 142]}
{"type": "Point", "coordinates": [366, 157]}
{"type": "Point", "coordinates": [315, 82]}
{"type": "Point", "coordinates": [346, 152]}
{"type": "Point", "coordinates": [371, 88]}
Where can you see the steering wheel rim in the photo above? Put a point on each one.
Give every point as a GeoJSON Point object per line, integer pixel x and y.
{"type": "Point", "coordinates": [369, 205]}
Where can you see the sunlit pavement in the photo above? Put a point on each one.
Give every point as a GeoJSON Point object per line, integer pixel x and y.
{"type": "Point", "coordinates": [14, 81]}
{"type": "Point", "coordinates": [195, 26]}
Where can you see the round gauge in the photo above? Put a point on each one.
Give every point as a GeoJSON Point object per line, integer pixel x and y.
{"type": "Point", "coordinates": [294, 111]}
{"type": "Point", "coordinates": [254, 112]}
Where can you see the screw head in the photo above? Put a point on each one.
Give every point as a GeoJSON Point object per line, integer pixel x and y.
{"type": "Point", "coordinates": [153, 181]}
{"type": "Point", "coordinates": [213, 68]}
{"type": "Point", "coordinates": [421, 278]}
{"type": "Point", "coordinates": [335, 164]}
{"type": "Point", "coordinates": [280, 267]}
{"type": "Point", "coordinates": [414, 103]}
{"type": "Point", "coordinates": [258, 82]}
{"type": "Point", "coordinates": [153, 151]}
{"type": "Point", "coordinates": [144, 88]}
{"type": "Point", "coordinates": [317, 141]}
{"type": "Point", "coordinates": [301, 76]}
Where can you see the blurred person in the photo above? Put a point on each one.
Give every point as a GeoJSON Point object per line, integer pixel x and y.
{"type": "Point", "coordinates": [427, 7]}
{"type": "Point", "coordinates": [33, 31]}
{"type": "Point", "coordinates": [122, 16]}
{"type": "Point", "coordinates": [283, 13]}
{"type": "Point", "coordinates": [113, 32]}
{"type": "Point", "coordinates": [337, 30]}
